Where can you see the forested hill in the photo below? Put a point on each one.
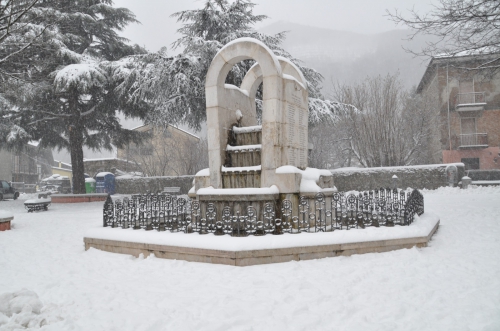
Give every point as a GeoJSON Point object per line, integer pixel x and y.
{"type": "Point", "coordinates": [346, 57]}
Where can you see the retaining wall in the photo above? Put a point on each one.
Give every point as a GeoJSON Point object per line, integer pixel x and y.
{"type": "Point", "coordinates": [153, 184]}
{"type": "Point", "coordinates": [484, 174]}
{"type": "Point", "coordinates": [430, 176]}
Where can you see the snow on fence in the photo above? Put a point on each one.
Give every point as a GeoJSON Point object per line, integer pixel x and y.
{"type": "Point", "coordinates": [162, 212]}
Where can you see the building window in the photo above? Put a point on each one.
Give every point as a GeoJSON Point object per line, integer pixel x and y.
{"type": "Point", "coordinates": [471, 163]}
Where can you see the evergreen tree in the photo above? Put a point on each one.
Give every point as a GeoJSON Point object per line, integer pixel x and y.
{"type": "Point", "coordinates": [67, 95]}
{"type": "Point", "coordinates": [176, 85]}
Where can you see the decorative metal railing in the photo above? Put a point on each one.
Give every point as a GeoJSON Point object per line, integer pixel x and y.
{"type": "Point", "coordinates": [474, 139]}
{"type": "Point", "coordinates": [162, 212]}
{"type": "Point", "coordinates": [470, 98]}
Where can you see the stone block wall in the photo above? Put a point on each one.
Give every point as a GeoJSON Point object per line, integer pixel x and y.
{"type": "Point", "coordinates": [153, 184]}
{"type": "Point", "coordinates": [430, 176]}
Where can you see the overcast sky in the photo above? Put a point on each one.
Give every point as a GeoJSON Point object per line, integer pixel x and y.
{"type": "Point", "coordinates": [157, 28]}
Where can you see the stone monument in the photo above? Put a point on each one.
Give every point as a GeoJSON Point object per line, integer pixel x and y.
{"type": "Point", "coordinates": [251, 164]}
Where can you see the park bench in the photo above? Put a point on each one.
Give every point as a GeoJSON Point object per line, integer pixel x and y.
{"type": "Point", "coordinates": [172, 190]}
{"type": "Point", "coordinates": [42, 203]}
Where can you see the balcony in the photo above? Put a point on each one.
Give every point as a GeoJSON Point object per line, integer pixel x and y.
{"type": "Point", "coordinates": [473, 140]}
{"type": "Point", "coordinates": [469, 104]}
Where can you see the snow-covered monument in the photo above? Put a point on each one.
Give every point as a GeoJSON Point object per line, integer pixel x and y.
{"type": "Point", "coordinates": [251, 164]}
{"type": "Point", "coordinates": [258, 184]}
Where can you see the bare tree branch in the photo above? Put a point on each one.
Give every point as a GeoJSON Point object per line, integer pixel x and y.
{"type": "Point", "coordinates": [462, 27]}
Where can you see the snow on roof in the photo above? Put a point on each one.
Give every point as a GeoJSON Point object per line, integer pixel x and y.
{"type": "Point", "coordinates": [470, 52]}
{"type": "Point", "coordinates": [467, 55]}
{"type": "Point", "coordinates": [104, 173]}
{"type": "Point", "coordinates": [107, 159]}
{"type": "Point", "coordinates": [139, 126]}
{"type": "Point", "coordinates": [61, 162]}
{"type": "Point", "coordinates": [172, 126]}
{"type": "Point", "coordinates": [175, 127]}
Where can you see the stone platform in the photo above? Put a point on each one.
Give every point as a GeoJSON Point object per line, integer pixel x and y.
{"type": "Point", "coordinates": [75, 198]}
{"type": "Point", "coordinates": [265, 249]}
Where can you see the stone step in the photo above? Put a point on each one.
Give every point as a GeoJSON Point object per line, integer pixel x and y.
{"type": "Point", "coordinates": [243, 156]}
{"type": "Point", "coordinates": [248, 135]}
{"type": "Point", "coordinates": [241, 177]}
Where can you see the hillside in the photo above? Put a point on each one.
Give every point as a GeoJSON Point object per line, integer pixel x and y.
{"type": "Point", "coordinates": [346, 57]}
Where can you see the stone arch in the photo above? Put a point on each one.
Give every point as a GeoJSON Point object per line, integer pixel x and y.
{"type": "Point", "coordinates": [254, 77]}
{"type": "Point", "coordinates": [223, 100]}
{"type": "Point", "coordinates": [284, 105]}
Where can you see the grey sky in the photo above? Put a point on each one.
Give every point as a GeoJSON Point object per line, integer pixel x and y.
{"type": "Point", "coordinates": [363, 16]}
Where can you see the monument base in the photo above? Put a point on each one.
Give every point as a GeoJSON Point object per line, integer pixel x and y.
{"type": "Point", "coordinates": [262, 250]}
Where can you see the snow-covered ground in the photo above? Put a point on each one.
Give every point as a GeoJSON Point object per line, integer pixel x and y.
{"type": "Point", "coordinates": [46, 278]}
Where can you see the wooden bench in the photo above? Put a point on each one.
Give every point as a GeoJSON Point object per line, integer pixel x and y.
{"type": "Point", "coordinates": [172, 190]}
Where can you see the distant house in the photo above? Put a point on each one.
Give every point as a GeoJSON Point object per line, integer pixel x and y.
{"type": "Point", "coordinates": [62, 169]}
{"type": "Point", "coordinates": [469, 106]}
{"type": "Point", "coordinates": [28, 166]}
{"type": "Point", "coordinates": [168, 152]}
{"type": "Point", "coordinates": [111, 164]}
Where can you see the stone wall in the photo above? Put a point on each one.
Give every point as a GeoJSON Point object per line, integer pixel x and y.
{"type": "Point", "coordinates": [484, 174]}
{"type": "Point", "coordinates": [429, 176]}
{"type": "Point", "coordinates": [137, 185]}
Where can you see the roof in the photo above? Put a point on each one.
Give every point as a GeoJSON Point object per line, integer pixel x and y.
{"type": "Point", "coordinates": [61, 162]}
{"type": "Point", "coordinates": [149, 126]}
{"type": "Point", "coordinates": [107, 159]}
{"type": "Point", "coordinates": [460, 57]}
{"type": "Point", "coordinates": [65, 169]}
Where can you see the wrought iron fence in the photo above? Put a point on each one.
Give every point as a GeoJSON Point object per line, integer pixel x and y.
{"type": "Point", "coordinates": [163, 212]}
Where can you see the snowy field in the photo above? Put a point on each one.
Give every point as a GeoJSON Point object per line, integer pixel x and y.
{"type": "Point", "coordinates": [454, 284]}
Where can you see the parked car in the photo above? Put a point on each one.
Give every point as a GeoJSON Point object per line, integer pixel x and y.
{"type": "Point", "coordinates": [7, 191]}
{"type": "Point", "coordinates": [56, 184]}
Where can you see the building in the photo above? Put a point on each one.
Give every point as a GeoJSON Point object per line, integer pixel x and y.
{"type": "Point", "coordinates": [168, 152]}
{"type": "Point", "coordinates": [62, 169]}
{"type": "Point", "coordinates": [469, 105]}
{"type": "Point", "coordinates": [110, 164]}
{"type": "Point", "coordinates": [28, 165]}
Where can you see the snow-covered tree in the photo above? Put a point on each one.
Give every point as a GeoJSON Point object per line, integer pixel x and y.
{"type": "Point", "coordinates": [70, 100]}
{"type": "Point", "coordinates": [175, 85]}
{"type": "Point", "coordinates": [17, 34]}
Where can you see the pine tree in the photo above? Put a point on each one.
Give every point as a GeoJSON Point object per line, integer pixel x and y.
{"type": "Point", "coordinates": [175, 85]}
{"type": "Point", "coordinates": [66, 97]}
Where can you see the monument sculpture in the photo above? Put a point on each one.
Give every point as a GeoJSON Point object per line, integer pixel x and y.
{"type": "Point", "coordinates": [258, 183]}
{"type": "Point", "coordinates": [250, 164]}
